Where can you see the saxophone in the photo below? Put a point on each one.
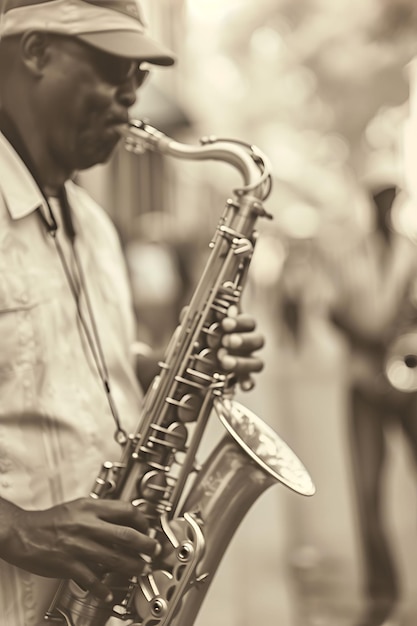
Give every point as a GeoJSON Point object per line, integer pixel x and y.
{"type": "Point", "coordinates": [193, 510]}
{"type": "Point", "coordinates": [400, 365]}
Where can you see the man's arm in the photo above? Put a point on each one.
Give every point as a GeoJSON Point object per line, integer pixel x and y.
{"type": "Point", "coordinates": [70, 539]}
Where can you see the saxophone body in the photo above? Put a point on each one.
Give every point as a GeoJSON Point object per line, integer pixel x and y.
{"type": "Point", "coordinates": [193, 511]}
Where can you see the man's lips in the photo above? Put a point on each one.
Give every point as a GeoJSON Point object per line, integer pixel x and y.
{"type": "Point", "coordinates": [117, 128]}
{"type": "Point", "coordinates": [118, 120]}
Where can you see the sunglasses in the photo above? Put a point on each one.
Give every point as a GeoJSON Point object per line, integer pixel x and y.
{"type": "Point", "coordinates": [118, 70]}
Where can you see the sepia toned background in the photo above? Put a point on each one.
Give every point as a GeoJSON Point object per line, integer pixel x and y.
{"type": "Point", "coordinates": [325, 89]}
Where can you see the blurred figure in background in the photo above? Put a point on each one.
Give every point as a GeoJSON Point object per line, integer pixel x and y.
{"type": "Point", "coordinates": [159, 261]}
{"type": "Point", "coordinates": [375, 304]}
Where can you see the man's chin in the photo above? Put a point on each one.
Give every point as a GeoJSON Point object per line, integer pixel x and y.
{"type": "Point", "coordinates": [99, 154]}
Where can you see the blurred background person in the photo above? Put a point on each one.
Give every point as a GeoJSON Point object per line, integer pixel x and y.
{"type": "Point", "coordinates": [376, 302]}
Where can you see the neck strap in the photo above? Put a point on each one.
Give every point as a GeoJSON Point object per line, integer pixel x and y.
{"type": "Point", "coordinates": [10, 131]}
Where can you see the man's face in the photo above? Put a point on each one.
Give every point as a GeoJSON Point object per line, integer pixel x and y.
{"type": "Point", "coordinates": [84, 102]}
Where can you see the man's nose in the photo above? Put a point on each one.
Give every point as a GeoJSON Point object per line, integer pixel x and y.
{"type": "Point", "coordinates": [126, 93]}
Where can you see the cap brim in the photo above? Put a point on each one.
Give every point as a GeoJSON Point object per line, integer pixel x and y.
{"type": "Point", "coordinates": [130, 45]}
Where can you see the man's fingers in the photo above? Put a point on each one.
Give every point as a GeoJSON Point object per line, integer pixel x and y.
{"type": "Point", "coordinates": [243, 344]}
{"type": "Point", "coordinates": [123, 513]}
{"type": "Point", "coordinates": [113, 559]}
{"type": "Point", "coordinates": [120, 523]}
{"type": "Point", "coordinates": [126, 539]}
{"type": "Point", "coordinates": [100, 559]}
{"type": "Point", "coordinates": [87, 579]}
{"type": "Point", "coordinates": [80, 540]}
{"type": "Point", "coordinates": [240, 365]}
{"type": "Point", "coordinates": [242, 323]}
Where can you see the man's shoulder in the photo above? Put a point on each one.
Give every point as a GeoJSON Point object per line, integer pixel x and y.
{"type": "Point", "coordinates": [18, 190]}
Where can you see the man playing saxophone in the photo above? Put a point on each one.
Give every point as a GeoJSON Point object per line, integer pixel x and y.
{"type": "Point", "coordinates": [69, 73]}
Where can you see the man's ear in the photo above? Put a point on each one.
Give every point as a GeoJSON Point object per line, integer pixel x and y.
{"type": "Point", "coordinates": [35, 51]}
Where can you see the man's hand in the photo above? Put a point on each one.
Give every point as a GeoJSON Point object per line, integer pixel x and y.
{"type": "Point", "coordinates": [71, 539]}
{"type": "Point", "coordinates": [238, 344]}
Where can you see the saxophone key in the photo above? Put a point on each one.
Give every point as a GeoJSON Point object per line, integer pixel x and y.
{"type": "Point", "coordinates": [220, 308]}
{"type": "Point", "coordinates": [228, 295]}
{"type": "Point", "coordinates": [213, 335]}
{"type": "Point", "coordinates": [242, 247]}
{"type": "Point", "coordinates": [106, 480]}
{"type": "Point", "coordinates": [175, 435]}
{"type": "Point", "coordinates": [197, 376]}
{"type": "Point", "coordinates": [205, 361]}
{"type": "Point", "coordinates": [187, 408]}
{"type": "Point", "coordinates": [153, 486]}
{"type": "Point", "coordinates": [190, 383]}
{"type": "Point", "coordinates": [161, 442]}
{"type": "Point", "coordinates": [151, 597]}
{"type": "Point", "coordinates": [152, 510]}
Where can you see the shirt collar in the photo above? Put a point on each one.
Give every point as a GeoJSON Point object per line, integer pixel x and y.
{"type": "Point", "coordinates": [21, 193]}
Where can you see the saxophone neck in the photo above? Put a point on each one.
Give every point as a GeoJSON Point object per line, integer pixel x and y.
{"type": "Point", "coordinates": [247, 159]}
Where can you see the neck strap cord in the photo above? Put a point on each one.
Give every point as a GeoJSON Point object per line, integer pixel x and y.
{"type": "Point", "coordinates": [77, 287]}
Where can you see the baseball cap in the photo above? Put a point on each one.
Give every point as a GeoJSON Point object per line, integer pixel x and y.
{"type": "Point", "coordinates": [113, 26]}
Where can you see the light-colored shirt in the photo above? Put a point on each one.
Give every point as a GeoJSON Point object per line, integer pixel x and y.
{"type": "Point", "coordinates": [56, 428]}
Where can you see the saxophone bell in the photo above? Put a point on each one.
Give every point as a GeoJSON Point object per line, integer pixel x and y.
{"type": "Point", "coordinates": [264, 446]}
{"type": "Point", "coordinates": [401, 362]}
